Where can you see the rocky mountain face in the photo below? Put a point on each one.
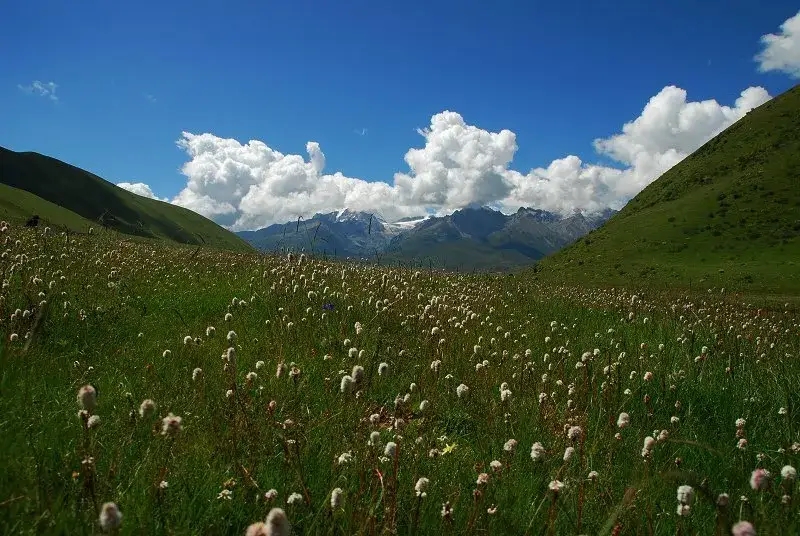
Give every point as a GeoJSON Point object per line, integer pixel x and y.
{"type": "Point", "coordinates": [474, 238]}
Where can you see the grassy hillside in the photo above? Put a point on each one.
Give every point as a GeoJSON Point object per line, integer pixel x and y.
{"type": "Point", "coordinates": [85, 197]}
{"type": "Point", "coordinates": [728, 216]}
{"type": "Point", "coordinates": [504, 396]}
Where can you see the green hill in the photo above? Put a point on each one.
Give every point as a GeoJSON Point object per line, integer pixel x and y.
{"type": "Point", "coordinates": [726, 216]}
{"type": "Point", "coordinates": [67, 196]}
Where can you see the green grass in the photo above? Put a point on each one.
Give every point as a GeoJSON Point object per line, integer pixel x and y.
{"type": "Point", "coordinates": [102, 309]}
{"type": "Point", "coordinates": [728, 215]}
{"type": "Point", "coordinates": [87, 196]}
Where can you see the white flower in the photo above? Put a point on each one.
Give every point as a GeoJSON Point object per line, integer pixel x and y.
{"type": "Point", "coordinates": [391, 449]}
{"type": "Point", "coordinates": [346, 384]}
{"type": "Point", "coordinates": [623, 420]}
{"type": "Point", "coordinates": [87, 398]}
{"type": "Point", "coordinates": [147, 408]}
{"type": "Point", "coordinates": [110, 517]}
{"type": "Point", "coordinates": [685, 494]}
{"type": "Point", "coordinates": [421, 487]}
{"type": "Point", "coordinates": [462, 390]}
{"type": "Point", "coordinates": [789, 473]}
{"type": "Point", "coordinates": [294, 498]}
{"type": "Point", "coordinates": [537, 451]}
{"type": "Point", "coordinates": [336, 498]}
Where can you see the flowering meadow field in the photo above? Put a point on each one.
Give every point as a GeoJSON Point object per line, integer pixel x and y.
{"type": "Point", "coordinates": [155, 389]}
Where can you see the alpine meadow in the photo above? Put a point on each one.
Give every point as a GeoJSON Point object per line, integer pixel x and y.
{"type": "Point", "coordinates": [495, 332]}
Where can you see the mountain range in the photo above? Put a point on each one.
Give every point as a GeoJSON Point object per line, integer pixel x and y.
{"type": "Point", "coordinates": [472, 238]}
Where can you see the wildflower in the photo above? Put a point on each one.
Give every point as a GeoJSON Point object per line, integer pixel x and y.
{"type": "Point", "coordinates": [197, 374]}
{"type": "Point", "coordinates": [462, 390]}
{"type": "Point", "coordinates": [187, 340]}
{"type": "Point", "coordinates": [383, 368]}
{"type": "Point", "coordinates": [336, 498]}
{"type": "Point", "coordinates": [759, 479]}
{"type": "Point", "coordinates": [574, 433]}
{"type": "Point", "coordinates": [423, 406]}
{"type": "Point", "coordinates": [232, 337]}
{"type": "Point", "coordinates": [110, 517]}
{"type": "Point", "coordinates": [277, 523]}
{"type": "Point", "coordinates": [568, 453]}
{"type": "Point", "coordinates": [649, 443]}
{"type": "Point", "coordinates": [648, 376]}
{"type": "Point", "coordinates": [684, 509]}
{"type": "Point", "coordinates": [93, 422]}
{"type": "Point", "coordinates": [211, 331]}
{"type": "Point", "coordinates": [171, 425]}
{"type": "Point", "coordinates": [358, 373]}
{"type": "Point", "coordinates": [447, 511]}
{"type": "Point", "coordinates": [555, 486]}
{"type": "Point", "coordinates": [87, 397]}
{"type": "Point", "coordinates": [271, 495]}
{"type": "Point", "coordinates": [166, 354]}
{"type": "Point", "coordinates": [789, 473]}
{"type": "Point", "coordinates": [505, 395]}
{"type": "Point", "coordinates": [163, 484]}
{"type": "Point", "coordinates": [391, 449]}
{"type": "Point", "coordinates": [421, 487]}
{"type": "Point", "coordinates": [537, 451]}
{"type": "Point", "coordinates": [344, 458]}
{"type": "Point", "coordinates": [593, 475]}
{"type": "Point", "coordinates": [346, 384]}
{"type": "Point", "coordinates": [257, 529]}
{"type": "Point", "coordinates": [147, 408]}
{"type": "Point", "coordinates": [685, 494]}
{"type": "Point", "coordinates": [510, 445]}
{"type": "Point", "coordinates": [740, 422]}
{"type": "Point", "coordinates": [742, 444]}
{"type": "Point", "coordinates": [743, 528]}
{"type": "Point", "coordinates": [294, 498]}
{"type": "Point", "coordinates": [225, 494]}
{"type": "Point", "coordinates": [623, 420]}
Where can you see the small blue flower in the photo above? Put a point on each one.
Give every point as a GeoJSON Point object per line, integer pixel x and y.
{"type": "Point", "coordinates": [328, 306]}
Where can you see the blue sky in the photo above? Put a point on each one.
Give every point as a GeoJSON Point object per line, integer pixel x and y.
{"type": "Point", "coordinates": [132, 76]}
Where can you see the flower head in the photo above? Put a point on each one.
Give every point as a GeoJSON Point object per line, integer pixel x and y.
{"type": "Point", "coordinates": [743, 528]}
{"type": "Point", "coordinates": [87, 397]}
{"type": "Point", "coordinates": [110, 516]}
{"type": "Point", "coordinates": [171, 425]}
{"type": "Point", "coordinates": [759, 479]}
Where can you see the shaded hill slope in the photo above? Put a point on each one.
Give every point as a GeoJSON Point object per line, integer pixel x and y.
{"type": "Point", "coordinates": [728, 215]}
{"type": "Point", "coordinates": [97, 200]}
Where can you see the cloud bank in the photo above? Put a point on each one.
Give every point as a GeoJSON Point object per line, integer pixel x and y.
{"type": "Point", "coordinates": [250, 185]}
{"type": "Point", "coordinates": [781, 51]}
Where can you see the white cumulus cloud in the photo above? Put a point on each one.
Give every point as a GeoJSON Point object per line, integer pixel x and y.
{"type": "Point", "coordinates": [782, 50]}
{"type": "Point", "coordinates": [250, 185]}
{"type": "Point", "coordinates": [43, 89]}
{"type": "Point", "coordinates": [139, 188]}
